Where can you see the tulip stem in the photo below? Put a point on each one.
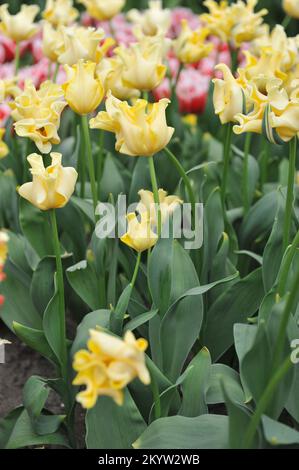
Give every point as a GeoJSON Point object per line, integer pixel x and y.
{"type": "Point", "coordinates": [286, 21]}
{"type": "Point", "coordinates": [226, 159]}
{"type": "Point", "coordinates": [60, 288]}
{"type": "Point", "coordinates": [90, 162]}
{"type": "Point", "coordinates": [135, 274]}
{"type": "Point", "coordinates": [155, 192]}
{"type": "Point", "coordinates": [290, 194]}
{"type": "Point", "coordinates": [263, 403]}
{"type": "Point", "coordinates": [185, 178]}
{"type": "Point", "coordinates": [56, 72]}
{"type": "Point", "coordinates": [246, 201]}
{"type": "Point", "coordinates": [100, 161]}
{"type": "Point", "coordinates": [264, 162]}
{"type": "Point", "coordinates": [17, 58]}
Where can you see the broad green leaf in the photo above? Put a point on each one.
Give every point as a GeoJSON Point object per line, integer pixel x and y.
{"type": "Point", "coordinates": [159, 273]}
{"type": "Point", "coordinates": [213, 230]}
{"type": "Point", "coordinates": [244, 336]}
{"type": "Point", "coordinates": [239, 420]}
{"type": "Point", "coordinates": [51, 327]}
{"type": "Point", "coordinates": [35, 395]}
{"type": "Point", "coordinates": [239, 302]}
{"type": "Point", "coordinates": [18, 306]}
{"type": "Point", "coordinates": [99, 318]}
{"type": "Point", "coordinates": [178, 432]}
{"type": "Point", "coordinates": [259, 220]}
{"type": "Point", "coordinates": [83, 279]}
{"type": "Point", "coordinates": [273, 251]}
{"type": "Point", "coordinates": [195, 386]}
{"type": "Point", "coordinates": [220, 374]}
{"type": "Point", "coordinates": [136, 322]}
{"type": "Point", "coordinates": [119, 432]}
{"type": "Point", "coordinates": [35, 339]}
{"type": "Point", "coordinates": [118, 314]}
{"type": "Point", "coordinates": [23, 435]}
{"type": "Point", "coordinates": [36, 227]}
{"type": "Point", "coordinates": [278, 434]}
{"type": "Point", "coordinates": [112, 180]}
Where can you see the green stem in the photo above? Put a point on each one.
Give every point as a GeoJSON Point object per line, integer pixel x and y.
{"type": "Point", "coordinates": [135, 274]}
{"type": "Point", "coordinates": [90, 162]}
{"type": "Point", "coordinates": [286, 21]}
{"type": "Point", "coordinates": [185, 178]}
{"type": "Point", "coordinates": [287, 265]}
{"type": "Point", "coordinates": [56, 72]}
{"type": "Point", "coordinates": [100, 161]}
{"type": "Point", "coordinates": [263, 403]}
{"type": "Point", "coordinates": [49, 70]}
{"type": "Point", "coordinates": [82, 165]}
{"type": "Point", "coordinates": [17, 58]}
{"type": "Point", "coordinates": [282, 332]}
{"type": "Point", "coordinates": [264, 162]}
{"type": "Point", "coordinates": [175, 83]}
{"type": "Point", "coordinates": [60, 287]}
{"type": "Point", "coordinates": [156, 193]}
{"type": "Point", "coordinates": [246, 201]}
{"type": "Point", "coordinates": [290, 194]}
{"type": "Point", "coordinates": [226, 159]}
{"type": "Point", "coordinates": [234, 58]}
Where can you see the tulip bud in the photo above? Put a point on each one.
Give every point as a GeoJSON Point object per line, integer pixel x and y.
{"type": "Point", "coordinates": [51, 187]}
{"type": "Point", "coordinates": [167, 205]}
{"type": "Point", "coordinates": [291, 7]}
{"type": "Point", "coordinates": [83, 91]}
{"type": "Point", "coordinates": [60, 12]}
{"type": "Point", "coordinates": [19, 27]}
{"type": "Point", "coordinates": [103, 9]}
{"type": "Point", "coordinates": [143, 63]}
{"type": "Point", "coordinates": [190, 46]}
{"type": "Point", "coordinates": [229, 97]}
{"type": "Point", "coordinates": [139, 236]}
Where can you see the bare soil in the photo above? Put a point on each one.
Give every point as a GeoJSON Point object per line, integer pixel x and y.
{"type": "Point", "coordinates": [21, 363]}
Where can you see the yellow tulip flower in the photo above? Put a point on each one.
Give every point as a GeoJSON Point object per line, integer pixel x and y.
{"type": "Point", "coordinates": [103, 9]}
{"type": "Point", "coordinates": [167, 204]}
{"type": "Point", "coordinates": [3, 248]}
{"type": "Point", "coordinates": [229, 96]}
{"type": "Point", "coordinates": [236, 22]}
{"type": "Point", "coordinates": [110, 71]}
{"type": "Point", "coordinates": [3, 147]}
{"type": "Point", "coordinates": [248, 25]}
{"type": "Point", "coordinates": [83, 91]}
{"type": "Point", "coordinates": [37, 114]}
{"type": "Point", "coordinates": [138, 132]}
{"type": "Point", "coordinates": [155, 20]}
{"type": "Point", "coordinates": [140, 236]}
{"type": "Point", "coordinates": [274, 113]}
{"type": "Point", "coordinates": [83, 43]}
{"type": "Point", "coordinates": [52, 42]}
{"type": "Point", "coordinates": [108, 366]}
{"type": "Point", "coordinates": [291, 7]}
{"type": "Point", "coordinates": [190, 46]}
{"type": "Point", "coordinates": [19, 27]}
{"type": "Point", "coordinates": [51, 187]}
{"type": "Point", "coordinates": [60, 12]}
{"type": "Point", "coordinates": [9, 88]}
{"type": "Point", "coordinates": [143, 63]}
